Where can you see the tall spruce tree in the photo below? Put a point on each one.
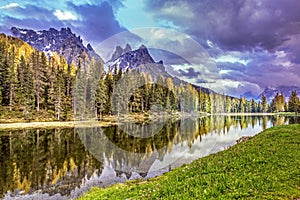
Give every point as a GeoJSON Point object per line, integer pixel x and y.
{"type": "Point", "coordinates": [294, 103]}
{"type": "Point", "coordinates": [265, 105]}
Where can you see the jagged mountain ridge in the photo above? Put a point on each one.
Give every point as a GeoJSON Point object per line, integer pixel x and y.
{"type": "Point", "coordinates": [64, 42]}
{"type": "Point", "coordinates": [120, 51]}
{"type": "Point", "coordinates": [270, 92]}
{"type": "Point", "coordinates": [141, 60]}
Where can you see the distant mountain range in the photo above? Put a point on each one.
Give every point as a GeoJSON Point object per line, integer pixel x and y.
{"type": "Point", "coordinates": [270, 92]}
{"type": "Point", "coordinates": [63, 42]}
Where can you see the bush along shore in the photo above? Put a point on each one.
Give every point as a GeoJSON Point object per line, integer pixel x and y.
{"type": "Point", "coordinates": [263, 167]}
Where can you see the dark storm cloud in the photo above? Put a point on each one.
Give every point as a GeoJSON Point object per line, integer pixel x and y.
{"type": "Point", "coordinates": [32, 17]}
{"type": "Point", "coordinates": [292, 48]}
{"type": "Point", "coordinates": [262, 36]}
{"type": "Point", "coordinates": [97, 21]}
{"type": "Point", "coordinates": [233, 25]}
{"type": "Point", "coordinates": [231, 66]}
{"type": "Point", "coordinates": [190, 73]}
{"type": "Point", "coordinates": [201, 81]}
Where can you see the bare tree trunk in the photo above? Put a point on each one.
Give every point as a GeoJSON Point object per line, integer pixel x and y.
{"type": "Point", "coordinates": [37, 102]}
{"type": "Point", "coordinates": [10, 98]}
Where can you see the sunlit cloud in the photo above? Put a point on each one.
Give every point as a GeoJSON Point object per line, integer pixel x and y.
{"type": "Point", "coordinates": [64, 15]}
{"type": "Point", "coordinates": [231, 59]}
{"type": "Point", "coordinates": [10, 6]}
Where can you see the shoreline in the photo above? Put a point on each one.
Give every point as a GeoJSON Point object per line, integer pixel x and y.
{"type": "Point", "coordinates": [69, 124]}
{"type": "Point", "coordinates": [224, 175]}
{"type": "Point", "coordinates": [112, 120]}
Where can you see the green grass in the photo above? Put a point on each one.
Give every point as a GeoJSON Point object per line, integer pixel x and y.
{"type": "Point", "coordinates": [265, 167]}
{"type": "Point", "coordinates": [286, 113]}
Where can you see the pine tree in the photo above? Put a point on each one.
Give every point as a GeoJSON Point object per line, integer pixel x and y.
{"type": "Point", "coordinates": [101, 96]}
{"type": "Point", "coordinates": [38, 64]}
{"type": "Point", "coordinates": [294, 103]}
{"type": "Point", "coordinates": [24, 88]}
{"type": "Point", "coordinates": [253, 106]}
{"type": "Point", "coordinates": [59, 92]}
{"type": "Point", "coordinates": [242, 105]}
{"type": "Point", "coordinates": [12, 77]}
{"type": "Point", "coordinates": [110, 86]}
{"type": "Point", "coordinates": [264, 103]}
{"type": "Point", "coordinates": [170, 96]}
{"type": "Point", "coordinates": [228, 105]}
{"type": "Point", "coordinates": [4, 81]}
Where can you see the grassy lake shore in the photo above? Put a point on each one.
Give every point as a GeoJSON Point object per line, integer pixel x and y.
{"type": "Point", "coordinates": [264, 167]}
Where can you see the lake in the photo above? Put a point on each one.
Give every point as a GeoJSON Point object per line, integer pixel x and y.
{"type": "Point", "coordinates": [67, 162]}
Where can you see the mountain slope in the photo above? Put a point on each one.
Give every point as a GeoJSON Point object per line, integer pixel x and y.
{"type": "Point", "coordinates": [140, 60]}
{"type": "Point", "coordinates": [63, 42]}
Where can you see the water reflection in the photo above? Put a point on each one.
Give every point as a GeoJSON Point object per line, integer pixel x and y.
{"type": "Point", "coordinates": [49, 160]}
{"type": "Point", "coordinates": [57, 160]}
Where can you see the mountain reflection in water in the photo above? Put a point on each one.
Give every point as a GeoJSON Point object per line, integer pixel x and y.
{"type": "Point", "coordinates": [62, 161]}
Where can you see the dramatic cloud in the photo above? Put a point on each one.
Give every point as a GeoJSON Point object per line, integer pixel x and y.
{"type": "Point", "coordinates": [94, 21]}
{"type": "Point", "coordinates": [230, 46]}
{"type": "Point", "coordinates": [39, 18]}
{"type": "Point", "coordinates": [66, 15]}
{"type": "Point", "coordinates": [9, 6]}
{"type": "Point", "coordinates": [254, 43]}
{"type": "Point", "coordinates": [190, 73]}
{"type": "Point", "coordinates": [241, 24]}
{"type": "Point", "coordinates": [97, 21]}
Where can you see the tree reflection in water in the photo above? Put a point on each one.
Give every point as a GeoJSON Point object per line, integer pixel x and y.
{"type": "Point", "coordinates": [59, 160]}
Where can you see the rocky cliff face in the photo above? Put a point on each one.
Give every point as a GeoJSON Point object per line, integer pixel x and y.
{"type": "Point", "coordinates": [120, 51]}
{"type": "Point", "coordinates": [63, 42]}
{"type": "Point", "coordinates": [140, 60]}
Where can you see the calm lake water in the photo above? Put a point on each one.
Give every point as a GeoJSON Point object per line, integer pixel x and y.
{"type": "Point", "coordinates": [66, 162]}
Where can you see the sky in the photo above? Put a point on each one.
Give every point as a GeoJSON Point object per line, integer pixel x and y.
{"type": "Point", "coordinates": [232, 47]}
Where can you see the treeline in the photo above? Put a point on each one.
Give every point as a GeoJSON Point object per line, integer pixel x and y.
{"type": "Point", "coordinates": [279, 104]}
{"type": "Point", "coordinates": [119, 92]}
{"type": "Point", "coordinates": [34, 86]}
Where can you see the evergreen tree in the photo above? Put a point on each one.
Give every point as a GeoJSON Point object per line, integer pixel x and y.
{"type": "Point", "coordinates": [264, 103]}
{"type": "Point", "coordinates": [25, 91]}
{"type": "Point", "coordinates": [228, 105]}
{"type": "Point", "coordinates": [109, 83]}
{"type": "Point", "coordinates": [294, 103]}
{"type": "Point", "coordinates": [12, 76]}
{"type": "Point", "coordinates": [253, 106]}
{"type": "Point", "coordinates": [101, 96]}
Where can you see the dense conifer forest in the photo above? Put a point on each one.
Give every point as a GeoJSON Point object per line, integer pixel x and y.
{"type": "Point", "coordinates": [36, 86]}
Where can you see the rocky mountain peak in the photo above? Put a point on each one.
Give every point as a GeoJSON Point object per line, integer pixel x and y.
{"type": "Point", "coordinates": [143, 47]}
{"type": "Point", "coordinates": [120, 51]}
{"type": "Point", "coordinates": [127, 48]}
{"type": "Point", "coordinates": [63, 42]}
{"type": "Point", "coordinates": [139, 60]}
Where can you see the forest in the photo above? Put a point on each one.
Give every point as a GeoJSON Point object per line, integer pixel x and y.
{"type": "Point", "coordinates": [36, 86]}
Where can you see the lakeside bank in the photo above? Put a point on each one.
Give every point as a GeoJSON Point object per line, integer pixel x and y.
{"type": "Point", "coordinates": [263, 167]}
{"type": "Point", "coordinates": [13, 124]}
